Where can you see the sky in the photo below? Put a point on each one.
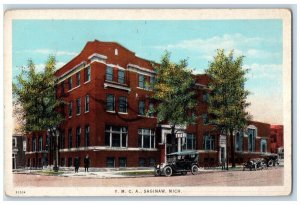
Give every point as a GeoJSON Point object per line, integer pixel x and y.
{"type": "Point", "coordinates": [260, 41]}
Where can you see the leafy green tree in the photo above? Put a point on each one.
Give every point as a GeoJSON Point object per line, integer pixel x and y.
{"type": "Point", "coordinates": [35, 93]}
{"type": "Point", "coordinates": [227, 99]}
{"type": "Point", "coordinates": [173, 90]}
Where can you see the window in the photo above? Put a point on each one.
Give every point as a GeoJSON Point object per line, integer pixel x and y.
{"type": "Point", "coordinates": [123, 104]}
{"type": "Point", "coordinates": [205, 119]}
{"type": "Point", "coordinates": [40, 147]}
{"type": "Point", "coordinates": [122, 162]}
{"type": "Point", "coordinates": [146, 138]}
{"type": "Point", "coordinates": [78, 79]}
{"type": "Point", "coordinates": [87, 72]}
{"type": "Point", "coordinates": [141, 108]}
{"type": "Point", "coordinates": [205, 97]}
{"type": "Point", "coordinates": [121, 76]}
{"type": "Point", "coordinates": [14, 142]}
{"type": "Point", "coordinates": [110, 162]}
{"type": "Point", "coordinates": [116, 52]}
{"type": "Point", "coordinates": [110, 102]}
{"type": "Point", "coordinates": [263, 145]}
{"type": "Point", "coordinates": [152, 80]}
{"type": "Point", "coordinates": [142, 162]}
{"type": "Point", "coordinates": [24, 145]}
{"type": "Point", "coordinates": [87, 136]}
{"type": "Point", "coordinates": [116, 136]}
{"type": "Point", "coordinates": [70, 108]}
{"type": "Point", "coordinates": [78, 105]}
{"type": "Point", "coordinates": [87, 103]}
{"type": "Point", "coordinates": [189, 143]}
{"type": "Point", "coordinates": [62, 140]}
{"type": "Point", "coordinates": [109, 73]}
{"type": "Point", "coordinates": [47, 143]}
{"type": "Point", "coordinates": [70, 138]}
{"type": "Point", "coordinates": [251, 140]}
{"type": "Point", "coordinates": [142, 81]}
{"type": "Point", "coordinates": [152, 162]}
{"type": "Point", "coordinates": [151, 110]}
{"type": "Point", "coordinates": [239, 141]}
{"type": "Point", "coordinates": [209, 142]}
{"type": "Point", "coordinates": [78, 132]}
{"type": "Point", "coordinates": [34, 144]}
{"type": "Point", "coordinates": [70, 83]}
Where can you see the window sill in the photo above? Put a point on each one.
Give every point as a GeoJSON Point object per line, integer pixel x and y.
{"type": "Point", "coordinates": [73, 88]}
{"type": "Point", "coordinates": [86, 112]}
{"type": "Point", "coordinates": [123, 113]}
{"type": "Point", "coordinates": [146, 89]}
{"type": "Point", "coordinates": [77, 114]}
{"type": "Point", "coordinates": [110, 111]}
{"type": "Point", "coordinates": [87, 82]}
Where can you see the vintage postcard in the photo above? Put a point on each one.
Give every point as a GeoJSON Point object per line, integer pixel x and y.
{"type": "Point", "coordinates": [148, 102]}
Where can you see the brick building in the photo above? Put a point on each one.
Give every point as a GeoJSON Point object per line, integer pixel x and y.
{"type": "Point", "coordinates": [276, 138]}
{"type": "Point", "coordinates": [107, 103]}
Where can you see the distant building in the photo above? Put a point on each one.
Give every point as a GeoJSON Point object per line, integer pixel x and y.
{"type": "Point", "coordinates": [276, 138]}
{"type": "Point", "coordinates": [18, 151]}
{"type": "Point", "coordinates": [107, 117]}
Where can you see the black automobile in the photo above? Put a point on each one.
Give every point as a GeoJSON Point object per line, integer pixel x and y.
{"type": "Point", "coordinates": [271, 159]}
{"type": "Point", "coordinates": [179, 163]}
{"type": "Point", "coordinates": [254, 164]}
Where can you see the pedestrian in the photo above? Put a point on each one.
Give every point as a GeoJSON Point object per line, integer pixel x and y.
{"type": "Point", "coordinates": [86, 163]}
{"type": "Point", "coordinates": [76, 164]}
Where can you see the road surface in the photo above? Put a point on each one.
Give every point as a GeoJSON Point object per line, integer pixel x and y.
{"type": "Point", "coordinates": [269, 177]}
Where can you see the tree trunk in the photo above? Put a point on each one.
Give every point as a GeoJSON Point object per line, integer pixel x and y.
{"type": "Point", "coordinates": [232, 149]}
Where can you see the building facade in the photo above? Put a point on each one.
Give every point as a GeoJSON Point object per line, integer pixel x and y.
{"type": "Point", "coordinates": [18, 151]}
{"type": "Point", "coordinates": [107, 115]}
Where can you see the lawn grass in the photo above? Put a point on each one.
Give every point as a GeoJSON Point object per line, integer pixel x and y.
{"type": "Point", "coordinates": [137, 173]}
{"type": "Point", "coordinates": [49, 172]}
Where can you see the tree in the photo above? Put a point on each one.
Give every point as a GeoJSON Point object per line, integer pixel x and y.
{"type": "Point", "coordinates": [35, 93]}
{"type": "Point", "coordinates": [173, 90]}
{"type": "Point", "coordinates": [227, 99]}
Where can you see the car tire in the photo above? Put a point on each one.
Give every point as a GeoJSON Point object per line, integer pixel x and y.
{"type": "Point", "coordinates": [168, 171]}
{"type": "Point", "coordinates": [157, 172]}
{"type": "Point", "coordinates": [270, 163]}
{"type": "Point", "coordinates": [194, 169]}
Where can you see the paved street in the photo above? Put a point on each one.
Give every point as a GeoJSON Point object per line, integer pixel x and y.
{"type": "Point", "coordinates": [269, 177]}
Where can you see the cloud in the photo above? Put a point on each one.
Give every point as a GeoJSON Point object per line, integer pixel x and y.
{"type": "Point", "coordinates": [241, 44]}
{"type": "Point", "coordinates": [50, 51]}
{"type": "Point", "coordinates": [264, 71]}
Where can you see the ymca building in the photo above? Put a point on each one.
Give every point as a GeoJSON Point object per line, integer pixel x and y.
{"type": "Point", "coordinates": [107, 98]}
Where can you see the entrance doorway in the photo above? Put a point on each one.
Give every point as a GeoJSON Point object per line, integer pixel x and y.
{"type": "Point", "coordinates": [171, 145]}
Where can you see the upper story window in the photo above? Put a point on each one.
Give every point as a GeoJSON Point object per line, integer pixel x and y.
{"type": "Point", "coordinates": [141, 108]}
{"type": "Point", "coordinates": [78, 106]}
{"type": "Point", "coordinates": [78, 133]}
{"type": "Point", "coordinates": [70, 138]}
{"type": "Point", "coordinates": [151, 110]}
{"type": "Point", "coordinates": [87, 72]}
{"type": "Point", "coordinates": [116, 136]}
{"type": "Point", "coordinates": [209, 142]}
{"type": "Point", "coordinates": [70, 108]}
{"type": "Point", "coordinates": [87, 136]}
{"type": "Point", "coordinates": [34, 144]}
{"type": "Point", "coordinates": [87, 103]}
{"type": "Point", "coordinates": [24, 146]}
{"type": "Point", "coordinates": [110, 102]}
{"type": "Point", "coordinates": [70, 83]}
{"type": "Point", "coordinates": [205, 119]}
{"type": "Point", "coordinates": [14, 142]}
{"type": "Point", "coordinates": [189, 143]}
{"type": "Point", "coordinates": [239, 141]}
{"type": "Point", "coordinates": [146, 138]}
{"type": "Point", "coordinates": [40, 143]}
{"type": "Point", "coordinates": [116, 52]}
{"type": "Point", "coordinates": [251, 139]}
{"type": "Point", "coordinates": [109, 73]}
{"type": "Point", "coordinates": [123, 104]}
{"type": "Point", "coordinates": [142, 81]}
{"type": "Point", "coordinates": [205, 97]}
{"type": "Point", "coordinates": [78, 79]}
{"type": "Point", "coordinates": [121, 76]}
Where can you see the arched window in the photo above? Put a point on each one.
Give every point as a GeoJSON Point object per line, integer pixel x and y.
{"type": "Point", "coordinates": [40, 147]}
{"type": "Point", "coordinates": [263, 145]}
{"type": "Point", "coordinates": [252, 133]}
{"type": "Point", "coordinates": [239, 141]}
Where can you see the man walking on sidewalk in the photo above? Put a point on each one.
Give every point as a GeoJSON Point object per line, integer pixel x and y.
{"type": "Point", "coordinates": [86, 163]}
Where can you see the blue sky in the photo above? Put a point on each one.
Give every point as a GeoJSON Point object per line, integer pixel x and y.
{"type": "Point", "coordinates": [260, 41]}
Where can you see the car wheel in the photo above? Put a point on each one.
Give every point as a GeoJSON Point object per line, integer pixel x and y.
{"type": "Point", "coordinates": [168, 171]}
{"type": "Point", "coordinates": [270, 163]}
{"type": "Point", "coordinates": [157, 172]}
{"type": "Point", "coordinates": [194, 169]}
{"type": "Point", "coordinates": [184, 173]}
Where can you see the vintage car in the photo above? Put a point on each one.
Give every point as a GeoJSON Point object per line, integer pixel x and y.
{"type": "Point", "coordinates": [271, 159]}
{"type": "Point", "coordinates": [254, 164]}
{"type": "Point", "coordinates": [179, 163]}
